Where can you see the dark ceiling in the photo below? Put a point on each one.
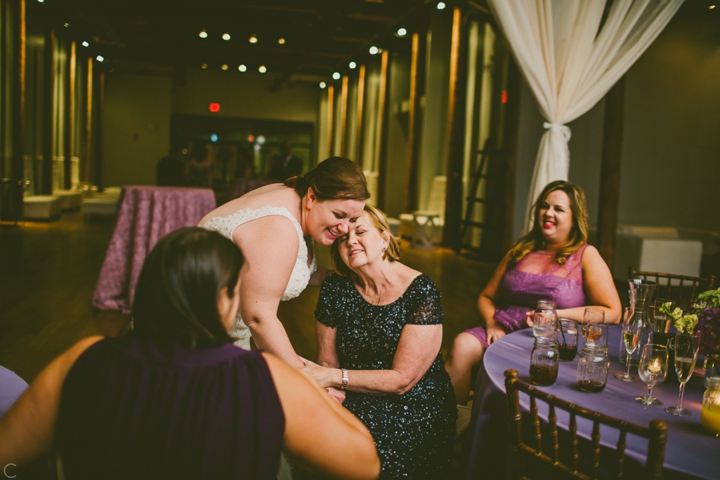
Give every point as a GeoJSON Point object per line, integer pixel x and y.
{"type": "Point", "coordinates": [320, 36]}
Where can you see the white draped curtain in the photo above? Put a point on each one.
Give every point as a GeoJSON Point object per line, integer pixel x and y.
{"type": "Point", "coordinates": [571, 52]}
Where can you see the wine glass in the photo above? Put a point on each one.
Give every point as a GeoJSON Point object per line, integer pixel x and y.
{"type": "Point", "coordinates": [686, 351]}
{"type": "Point", "coordinates": [653, 370]}
{"type": "Point", "coordinates": [631, 331]}
{"type": "Point", "coordinates": [590, 321]}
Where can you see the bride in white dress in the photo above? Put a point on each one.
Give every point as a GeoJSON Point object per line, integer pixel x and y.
{"type": "Point", "coordinates": [275, 226]}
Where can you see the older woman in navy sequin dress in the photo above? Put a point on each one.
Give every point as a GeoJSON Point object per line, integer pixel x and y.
{"type": "Point", "coordinates": [379, 329]}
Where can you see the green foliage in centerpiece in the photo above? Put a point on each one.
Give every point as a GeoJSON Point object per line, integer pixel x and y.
{"type": "Point", "coordinates": [703, 315]}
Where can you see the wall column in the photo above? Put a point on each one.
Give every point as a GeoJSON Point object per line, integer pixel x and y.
{"type": "Point", "coordinates": [69, 117]}
{"type": "Point", "coordinates": [417, 74]}
{"type": "Point", "coordinates": [610, 172]}
{"type": "Point", "coordinates": [47, 110]}
{"type": "Point", "coordinates": [455, 135]}
{"type": "Point", "coordinates": [382, 140]}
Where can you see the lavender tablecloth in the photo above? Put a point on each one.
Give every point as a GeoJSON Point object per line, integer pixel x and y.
{"type": "Point", "coordinates": [146, 214]}
{"type": "Point", "coordinates": [690, 449]}
{"type": "Point", "coordinates": [11, 387]}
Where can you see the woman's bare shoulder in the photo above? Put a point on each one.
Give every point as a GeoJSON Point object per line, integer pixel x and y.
{"type": "Point", "coordinates": [274, 195]}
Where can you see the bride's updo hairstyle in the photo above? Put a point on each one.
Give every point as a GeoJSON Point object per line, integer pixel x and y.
{"type": "Point", "coordinates": [176, 297]}
{"type": "Point", "coordinates": [336, 178]}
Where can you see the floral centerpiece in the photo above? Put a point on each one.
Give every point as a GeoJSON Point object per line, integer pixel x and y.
{"type": "Point", "coordinates": [704, 315]}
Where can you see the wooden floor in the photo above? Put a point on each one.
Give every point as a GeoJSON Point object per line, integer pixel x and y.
{"type": "Point", "coordinates": [48, 273]}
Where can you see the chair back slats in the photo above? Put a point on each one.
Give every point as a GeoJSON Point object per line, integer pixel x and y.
{"type": "Point", "coordinates": [621, 444]}
{"type": "Point", "coordinates": [595, 449]}
{"type": "Point", "coordinates": [536, 424]}
{"type": "Point", "coordinates": [552, 420]}
{"type": "Point", "coordinates": [574, 441]}
{"type": "Point", "coordinates": [656, 434]}
{"type": "Point", "coordinates": [682, 289]}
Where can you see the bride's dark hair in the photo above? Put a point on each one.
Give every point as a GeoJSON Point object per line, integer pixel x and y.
{"type": "Point", "coordinates": [336, 178]}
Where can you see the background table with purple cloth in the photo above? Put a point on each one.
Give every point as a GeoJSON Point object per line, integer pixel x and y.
{"type": "Point", "coordinates": [690, 449]}
{"type": "Point", "coordinates": [242, 186]}
{"type": "Point", "coordinates": [146, 214]}
{"type": "Point", "coordinates": [11, 387]}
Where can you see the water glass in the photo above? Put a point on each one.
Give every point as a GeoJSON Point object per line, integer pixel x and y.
{"type": "Point", "coordinates": [652, 369]}
{"type": "Point", "coordinates": [592, 319]}
{"type": "Point", "coordinates": [592, 371]}
{"type": "Point", "coordinates": [566, 335]}
{"type": "Point", "coordinates": [544, 361]}
{"type": "Point", "coordinates": [544, 318]}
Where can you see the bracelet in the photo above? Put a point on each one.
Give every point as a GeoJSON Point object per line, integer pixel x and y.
{"type": "Point", "coordinates": [343, 386]}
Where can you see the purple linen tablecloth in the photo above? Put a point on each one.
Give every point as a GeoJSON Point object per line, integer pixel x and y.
{"type": "Point", "coordinates": [690, 449]}
{"type": "Point", "coordinates": [146, 215]}
{"type": "Point", "coordinates": [11, 387]}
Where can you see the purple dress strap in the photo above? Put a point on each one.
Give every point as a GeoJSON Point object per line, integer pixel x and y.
{"type": "Point", "coordinates": [537, 276]}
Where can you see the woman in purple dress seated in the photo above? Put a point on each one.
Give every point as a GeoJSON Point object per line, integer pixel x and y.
{"type": "Point", "coordinates": [175, 398]}
{"type": "Point", "coordinates": [552, 261]}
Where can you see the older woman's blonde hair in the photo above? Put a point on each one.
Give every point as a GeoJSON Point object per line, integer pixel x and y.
{"type": "Point", "coordinates": [533, 240]}
{"type": "Point", "coordinates": [380, 222]}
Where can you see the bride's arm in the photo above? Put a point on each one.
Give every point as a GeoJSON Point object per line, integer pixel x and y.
{"type": "Point", "coordinates": [270, 247]}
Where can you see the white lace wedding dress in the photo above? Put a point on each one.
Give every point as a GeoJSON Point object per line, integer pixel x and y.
{"type": "Point", "coordinates": [301, 272]}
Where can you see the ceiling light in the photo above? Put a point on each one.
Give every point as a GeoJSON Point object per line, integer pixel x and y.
{"type": "Point", "coordinates": [402, 32]}
{"type": "Point", "coordinates": [41, 1]}
{"type": "Point", "coordinates": [226, 36]}
{"type": "Point", "coordinates": [85, 44]}
{"type": "Point", "coordinates": [441, 6]}
{"type": "Point", "coordinates": [100, 58]}
{"type": "Point", "coordinates": [374, 50]}
{"type": "Point", "coordinates": [204, 66]}
{"type": "Point", "coordinates": [262, 69]}
{"type": "Point", "coordinates": [224, 66]}
{"type": "Point", "coordinates": [352, 65]}
{"type": "Point", "coordinates": [253, 39]}
{"type": "Point", "coordinates": [336, 76]}
{"type": "Point", "coordinates": [242, 68]}
{"type": "Point", "coordinates": [711, 7]}
{"type": "Point", "coordinates": [323, 84]}
{"type": "Point", "coordinates": [281, 41]}
{"type": "Point", "coordinates": [203, 33]}
{"type": "Point", "coordinates": [66, 25]}
{"type": "Point", "coordinates": [260, 139]}
{"type": "Point", "coordinates": [213, 137]}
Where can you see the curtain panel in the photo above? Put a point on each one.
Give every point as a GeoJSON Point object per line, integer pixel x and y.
{"type": "Point", "coordinates": [571, 53]}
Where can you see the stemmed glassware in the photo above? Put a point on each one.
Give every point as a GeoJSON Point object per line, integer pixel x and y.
{"type": "Point", "coordinates": [653, 370]}
{"type": "Point", "coordinates": [686, 351]}
{"type": "Point", "coordinates": [592, 318]}
{"type": "Point", "coordinates": [631, 330]}
{"type": "Point", "coordinates": [662, 320]}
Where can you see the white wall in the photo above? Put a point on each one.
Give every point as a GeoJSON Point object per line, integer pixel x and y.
{"type": "Point", "coordinates": [136, 128]}
{"type": "Point", "coordinates": [671, 136]}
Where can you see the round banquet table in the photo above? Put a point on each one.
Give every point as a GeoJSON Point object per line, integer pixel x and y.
{"type": "Point", "coordinates": [11, 387]}
{"type": "Point", "coordinates": [690, 451]}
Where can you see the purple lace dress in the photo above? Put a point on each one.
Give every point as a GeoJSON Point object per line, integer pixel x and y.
{"type": "Point", "coordinates": [538, 275]}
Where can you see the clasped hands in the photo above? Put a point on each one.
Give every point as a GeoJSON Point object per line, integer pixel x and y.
{"type": "Point", "coordinates": [320, 375]}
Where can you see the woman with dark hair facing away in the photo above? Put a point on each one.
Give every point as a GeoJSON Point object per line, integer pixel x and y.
{"type": "Point", "coordinates": [275, 227]}
{"type": "Point", "coordinates": [553, 261]}
{"type": "Point", "coordinates": [175, 398]}
{"type": "Point", "coordinates": [379, 330]}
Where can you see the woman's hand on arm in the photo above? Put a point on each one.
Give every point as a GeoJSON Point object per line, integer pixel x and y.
{"type": "Point", "coordinates": [418, 347]}
{"type": "Point", "coordinates": [270, 246]}
{"type": "Point", "coordinates": [599, 288]}
{"type": "Point", "coordinates": [319, 433]}
{"type": "Point", "coordinates": [486, 304]}
{"type": "Point", "coordinates": [27, 430]}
